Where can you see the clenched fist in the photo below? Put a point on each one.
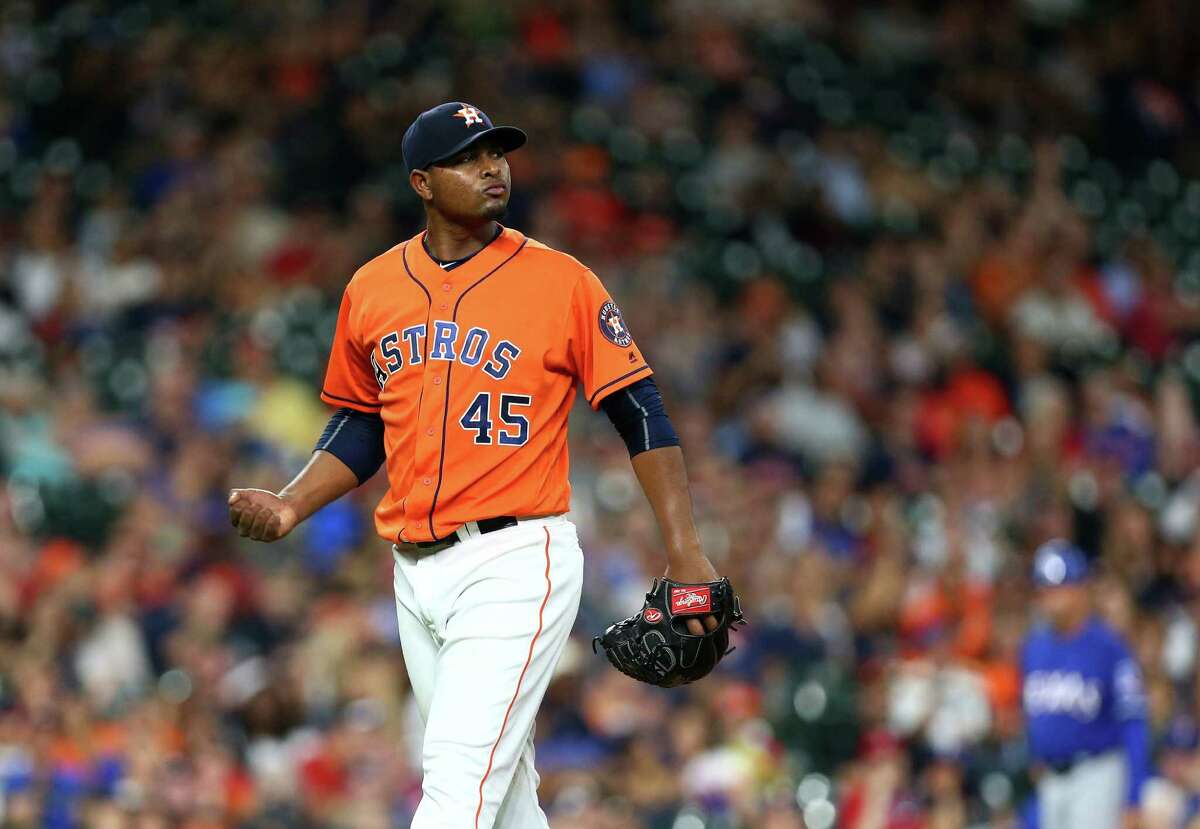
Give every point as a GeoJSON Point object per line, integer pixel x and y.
{"type": "Point", "coordinates": [260, 514]}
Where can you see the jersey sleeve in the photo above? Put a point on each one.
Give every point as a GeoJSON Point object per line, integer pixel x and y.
{"type": "Point", "coordinates": [1130, 708]}
{"type": "Point", "coordinates": [1129, 694]}
{"type": "Point", "coordinates": [349, 379]}
{"type": "Point", "coordinates": [602, 351]}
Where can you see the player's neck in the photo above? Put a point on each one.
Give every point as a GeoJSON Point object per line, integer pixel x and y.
{"type": "Point", "coordinates": [1072, 624]}
{"type": "Point", "coordinates": [448, 241]}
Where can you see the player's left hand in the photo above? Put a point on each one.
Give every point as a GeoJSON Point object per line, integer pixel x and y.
{"type": "Point", "coordinates": [696, 570]}
{"type": "Point", "coordinates": [1132, 819]}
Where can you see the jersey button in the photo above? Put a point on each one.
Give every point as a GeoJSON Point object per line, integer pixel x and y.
{"type": "Point", "coordinates": [445, 305]}
{"type": "Point", "coordinates": [417, 524]}
{"type": "Point", "coordinates": [446, 286]}
{"type": "Point", "coordinates": [429, 432]}
{"type": "Point", "coordinates": [437, 381]}
{"type": "Point", "coordinates": [427, 481]}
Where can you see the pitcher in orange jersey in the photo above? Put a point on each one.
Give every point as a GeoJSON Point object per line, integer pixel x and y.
{"type": "Point", "coordinates": [455, 362]}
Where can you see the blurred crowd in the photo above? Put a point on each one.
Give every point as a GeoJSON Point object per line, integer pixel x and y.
{"type": "Point", "coordinates": [920, 284]}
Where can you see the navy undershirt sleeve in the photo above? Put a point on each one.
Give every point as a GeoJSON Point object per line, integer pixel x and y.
{"type": "Point", "coordinates": [638, 414]}
{"type": "Point", "coordinates": [356, 439]}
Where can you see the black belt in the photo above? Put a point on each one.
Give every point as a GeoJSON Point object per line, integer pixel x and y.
{"type": "Point", "coordinates": [485, 525]}
{"type": "Point", "coordinates": [1062, 765]}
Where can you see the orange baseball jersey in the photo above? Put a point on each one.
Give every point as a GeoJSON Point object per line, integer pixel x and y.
{"type": "Point", "coordinates": [473, 371]}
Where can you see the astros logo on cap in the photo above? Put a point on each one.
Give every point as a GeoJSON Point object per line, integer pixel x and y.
{"type": "Point", "coordinates": [470, 115]}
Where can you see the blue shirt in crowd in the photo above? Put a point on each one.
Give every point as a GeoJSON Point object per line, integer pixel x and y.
{"type": "Point", "coordinates": [1083, 696]}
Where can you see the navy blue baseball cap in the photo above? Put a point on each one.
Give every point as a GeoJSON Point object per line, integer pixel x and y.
{"type": "Point", "coordinates": [449, 128]}
{"type": "Point", "coordinates": [1059, 562]}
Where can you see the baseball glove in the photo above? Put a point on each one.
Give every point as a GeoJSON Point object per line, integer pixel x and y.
{"type": "Point", "coordinates": [655, 645]}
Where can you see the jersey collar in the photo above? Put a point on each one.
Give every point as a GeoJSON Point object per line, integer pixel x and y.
{"type": "Point", "coordinates": [424, 268]}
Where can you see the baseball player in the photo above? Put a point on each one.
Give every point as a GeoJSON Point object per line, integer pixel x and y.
{"type": "Point", "coordinates": [1085, 708]}
{"type": "Point", "coordinates": [455, 363]}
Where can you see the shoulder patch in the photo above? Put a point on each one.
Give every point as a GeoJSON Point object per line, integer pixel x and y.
{"type": "Point", "coordinates": [612, 325]}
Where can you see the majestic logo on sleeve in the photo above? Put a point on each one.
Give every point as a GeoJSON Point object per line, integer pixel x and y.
{"type": "Point", "coordinates": [612, 325]}
{"type": "Point", "coordinates": [470, 115]}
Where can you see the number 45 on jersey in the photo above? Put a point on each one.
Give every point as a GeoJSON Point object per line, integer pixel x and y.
{"type": "Point", "coordinates": [514, 428]}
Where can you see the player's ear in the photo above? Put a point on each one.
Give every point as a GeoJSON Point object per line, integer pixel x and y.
{"type": "Point", "coordinates": [419, 181]}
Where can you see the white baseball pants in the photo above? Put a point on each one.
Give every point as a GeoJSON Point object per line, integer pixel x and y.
{"type": "Point", "coordinates": [482, 627]}
{"type": "Point", "coordinates": [1091, 794]}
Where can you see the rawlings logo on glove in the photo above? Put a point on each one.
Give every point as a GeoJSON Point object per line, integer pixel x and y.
{"type": "Point", "coordinates": [655, 645]}
{"type": "Point", "coordinates": [695, 600]}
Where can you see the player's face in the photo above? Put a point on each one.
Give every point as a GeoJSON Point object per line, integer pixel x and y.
{"type": "Point", "coordinates": [472, 186]}
{"type": "Point", "coordinates": [1064, 604]}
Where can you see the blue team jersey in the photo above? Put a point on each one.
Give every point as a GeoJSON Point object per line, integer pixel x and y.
{"type": "Point", "coordinates": [1079, 692]}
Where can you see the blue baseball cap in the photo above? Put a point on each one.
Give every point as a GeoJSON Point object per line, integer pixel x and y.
{"type": "Point", "coordinates": [448, 128]}
{"type": "Point", "coordinates": [1059, 562]}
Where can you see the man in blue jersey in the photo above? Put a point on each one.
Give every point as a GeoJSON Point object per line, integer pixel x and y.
{"type": "Point", "coordinates": [1085, 709]}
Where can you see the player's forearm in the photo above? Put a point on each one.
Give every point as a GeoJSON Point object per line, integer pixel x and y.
{"type": "Point", "coordinates": [323, 480]}
{"type": "Point", "coordinates": [663, 477]}
{"type": "Point", "coordinates": [1135, 734]}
